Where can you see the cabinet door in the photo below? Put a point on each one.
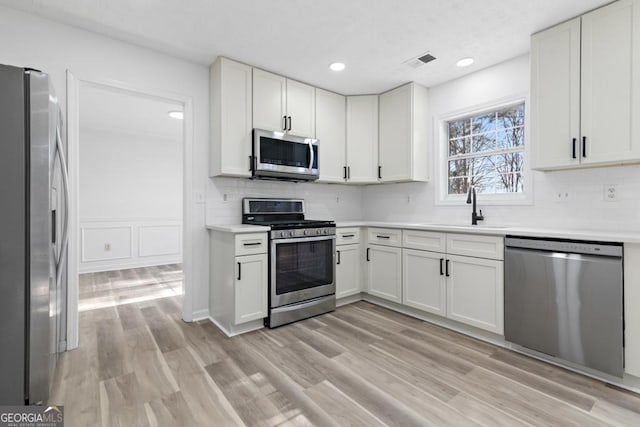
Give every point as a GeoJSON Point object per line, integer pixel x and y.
{"type": "Point", "coordinates": [610, 83]}
{"type": "Point", "coordinates": [231, 121]}
{"type": "Point", "coordinates": [348, 265]}
{"type": "Point", "coordinates": [475, 292]}
{"type": "Point", "coordinates": [301, 109]}
{"type": "Point", "coordinates": [424, 284]}
{"type": "Point", "coordinates": [269, 101]}
{"type": "Point", "coordinates": [385, 272]}
{"type": "Point", "coordinates": [555, 96]}
{"type": "Point", "coordinates": [251, 288]}
{"type": "Point", "coordinates": [396, 122]}
{"type": "Point", "coordinates": [331, 131]}
{"type": "Point", "coordinates": [362, 138]}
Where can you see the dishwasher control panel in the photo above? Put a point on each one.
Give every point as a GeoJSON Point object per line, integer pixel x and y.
{"type": "Point", "coordinates": [565, 246]}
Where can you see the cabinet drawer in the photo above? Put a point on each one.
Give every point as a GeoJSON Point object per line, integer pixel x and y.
{"type": "Point", "coordinates": [474, 245]}
{"type": "Point", "coordinates": [347, 236]}
{"type": "Point", "coordinates": [424, 240]}
{"type": "Point", "coordinates": [385, 236]}
{"type": "Point", "coordinates": [252, 243]}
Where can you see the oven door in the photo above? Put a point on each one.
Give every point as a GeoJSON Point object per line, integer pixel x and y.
{"type": "Point", "coordinates": [301, 269]}
{"type": "Point", "coordinates": [279, 155]}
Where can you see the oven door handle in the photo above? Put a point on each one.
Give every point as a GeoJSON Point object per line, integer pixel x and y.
{"type": "Point", "coordinates": [303, 239]}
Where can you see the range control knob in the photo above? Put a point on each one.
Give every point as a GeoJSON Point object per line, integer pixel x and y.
{"type": "Point", "coordinates": [306, 232]}
{"type": "Point", "coordinates": [326, 231]}
{"type": "Point", "coordinates": [318, 231]}
{"type": "Point", "coordinates": [282, 234]}
{"type": "Point", "coordinates": [291, 234]}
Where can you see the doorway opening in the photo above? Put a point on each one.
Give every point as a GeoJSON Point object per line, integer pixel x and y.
{"type": "Point", "coordinates": [130, 200]}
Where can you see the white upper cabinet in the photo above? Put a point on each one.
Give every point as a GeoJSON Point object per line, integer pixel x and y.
{"type": "Point", "coordinates": [269, 101]}
{"type": "Point", "coordinates": [301, 109]}
{"type": "Point", "coordinates": [280, 104]}
{"type": "Point", "coordinates": [585, 89]}
{"type": "Point", "coordinates": [555, 96]}
{"type": "Point", "coordinates": [404, 128]}
{"type": "Point", "coordinates": [362, 139]}
{"type": "Point", "coordinates": [611, 83]}
{"type": "Point", "coordinates": [231, 121]}
{"type": "Point", "coordinates": [331, 131]}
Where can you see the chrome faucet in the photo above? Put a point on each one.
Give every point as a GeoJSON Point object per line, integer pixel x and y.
{"type": "Point", "coordinates": [471, 198]}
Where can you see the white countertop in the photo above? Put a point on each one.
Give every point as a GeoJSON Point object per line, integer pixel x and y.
{"type": "Point", "coordinates": [238, 228]}
{"type": "Point", "coordinates": [597, 235]}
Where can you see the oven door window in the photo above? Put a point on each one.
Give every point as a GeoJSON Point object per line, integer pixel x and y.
{"type": "Point", "coordinates": [285, 153]}
{"type": "Point", "coordinates": [303, 265]}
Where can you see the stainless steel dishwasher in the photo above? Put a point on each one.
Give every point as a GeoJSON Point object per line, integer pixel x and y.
{"type": "Point", "coordinates": [565, 299]}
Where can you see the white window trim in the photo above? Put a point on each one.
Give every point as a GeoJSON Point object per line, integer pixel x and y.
{"type": "Point", "coordinates": [441, 142]}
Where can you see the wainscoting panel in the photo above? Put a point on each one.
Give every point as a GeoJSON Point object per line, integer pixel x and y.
{"type": "Point", "coordinates": [129, 243]}
{"type": "Point", "coordinates": [106, 243]}
{"type": "Point", "coordinates": [156, 240]}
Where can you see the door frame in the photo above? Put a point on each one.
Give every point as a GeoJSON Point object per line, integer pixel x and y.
{"type": "Point", "coordinates": [74, 84]}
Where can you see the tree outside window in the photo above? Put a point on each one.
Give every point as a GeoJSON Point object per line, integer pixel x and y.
{"type": "Point", "coordinates": [487, 151]}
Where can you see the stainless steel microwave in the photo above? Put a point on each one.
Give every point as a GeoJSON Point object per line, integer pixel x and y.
{"type": "Point", "coordinates": [284, 156]}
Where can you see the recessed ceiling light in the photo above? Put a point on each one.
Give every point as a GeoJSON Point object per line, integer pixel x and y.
{"type": "Point", "coordinates": [178, 115]}
{"type": "Point", "coordinates": [464, 62]}
{"type": "Point", "coordinates": [337, 66]}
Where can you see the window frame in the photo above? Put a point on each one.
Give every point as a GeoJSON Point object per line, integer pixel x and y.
{"type": "Point", "coordinates": [441, 139]}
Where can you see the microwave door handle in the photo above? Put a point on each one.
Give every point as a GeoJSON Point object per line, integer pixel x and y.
{"type": "Point", "coordinates": [311, 155]}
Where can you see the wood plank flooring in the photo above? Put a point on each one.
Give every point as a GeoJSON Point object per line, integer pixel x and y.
{"type": "Point", "coordinates": [139, 364]}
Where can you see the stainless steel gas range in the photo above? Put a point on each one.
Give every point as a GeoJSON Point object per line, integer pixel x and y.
{"type": "Point", "coordinates": [301, 259]}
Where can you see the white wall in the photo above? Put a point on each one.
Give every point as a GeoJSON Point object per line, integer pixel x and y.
{"type": "Point", "coordinates": [130, 200]}
{"type": "Point", "coordinates": [585, 206]}
{"type": "Point", "coordinates": [27, 40]}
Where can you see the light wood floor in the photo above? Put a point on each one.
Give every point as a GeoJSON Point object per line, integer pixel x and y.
{"type": "Point", "coordinates": [139, 364]}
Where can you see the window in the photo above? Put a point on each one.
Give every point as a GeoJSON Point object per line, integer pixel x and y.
{"type": "Point", "coordinates": [486, 150]}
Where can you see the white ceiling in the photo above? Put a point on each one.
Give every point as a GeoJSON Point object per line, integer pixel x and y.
{"type": "Point", "coordinates": [118, 111]}
{"type": "Point", "coordinates": [299, 38]}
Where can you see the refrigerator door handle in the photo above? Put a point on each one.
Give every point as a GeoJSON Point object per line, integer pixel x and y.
{"type": "Point", "coordinates": [65, 186]}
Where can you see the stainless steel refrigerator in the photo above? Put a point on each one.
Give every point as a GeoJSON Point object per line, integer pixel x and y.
{"type": "Point", "coordinates": [33, 236]}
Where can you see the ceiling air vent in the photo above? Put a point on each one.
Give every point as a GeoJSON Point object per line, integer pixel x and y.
{"type": "Point", "coordinates": [420, 61]}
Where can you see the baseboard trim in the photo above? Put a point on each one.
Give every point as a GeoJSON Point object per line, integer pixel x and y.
{"type": "Point", "coordinates": [128, 265]}
{"type": "Point", "coordinates": [238, 330]}
{"type": "Point", "coordinates": [200, 315]}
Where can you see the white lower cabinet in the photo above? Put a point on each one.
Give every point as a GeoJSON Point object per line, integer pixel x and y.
{"type": "Point", "coordinates": [475, 292]}
{"type": "Point", "coordinates": [250, 287]}
{"type": "Point", "coordinates": [424, 284]}
{"type": "Point", "coordinates": [348, 265]}
{"type": "Point", "coordinates": [385, 272]}
{"type": "Point", "coordinates": [238, 280]}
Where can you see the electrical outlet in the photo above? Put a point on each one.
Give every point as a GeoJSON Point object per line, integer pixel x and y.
{"type": "Point", "coordinates": [337, 199]}
{"type": "Point", "coordinates": [562, 195]}
{"type": "Point", "coordinates": [408, 199]}
{"type": "Point", "coordinates": [199, 197]}
{"type": "Point", "coordinates": [107, 247]}
{"type": "Point", "coordinates": [611, 193]}
{"type": "Point", "coordinates": [225, 197]}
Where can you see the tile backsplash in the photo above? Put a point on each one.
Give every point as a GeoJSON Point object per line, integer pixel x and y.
{"type": "Point", "coordinates": [582, 204]}
{"type": "Point", "coordinates": [322, 201]}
